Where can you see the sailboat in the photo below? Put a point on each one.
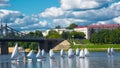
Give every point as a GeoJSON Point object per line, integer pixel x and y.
{"type": "Point", "coordinates": [110, 51]}
{"type": "Point", "coordinates": [62, 53]}
{"type": "Point", "coordinates": [21, 56]}
{"type": "Point", "coordinates": [43, 53]}
{"type": "Point", "coordinates": [77, 52]}
{"type": "Point", "coordinates": [15, 53]}
{"type": "Point", "coordinates": [51, 54]}
{"type": "Point", "coordinates": [86, 52]}
{"type": "Point", "coordinates": [70, 53]}
{"type": "Point", "coordinates": [18, 55]}
{"type": "Point", "coordinates": [81, 55]}
{"type": "Point", "coordinates": [39, 55]}
{"type": "Point", "coordinates": [31, 55]}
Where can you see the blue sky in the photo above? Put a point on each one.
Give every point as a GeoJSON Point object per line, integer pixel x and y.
{"type": "Point", "coordinates": [29, 7]}
{"type": "Point", "coordinates": [30, 15]}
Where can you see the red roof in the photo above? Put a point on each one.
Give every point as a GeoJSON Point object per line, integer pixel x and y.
{"type": "Point", "coordinates": [81, 27]}
{"type": "Point", "coordinates": [101, 26]}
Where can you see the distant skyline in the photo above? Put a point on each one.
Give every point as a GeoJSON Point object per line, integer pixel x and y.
{"type": "Point", "coordinates": [30, 15]}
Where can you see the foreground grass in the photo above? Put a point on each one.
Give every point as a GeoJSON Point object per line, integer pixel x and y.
{"type": "Point", "coordinates": [94, 47]}
{"type": "Point", "coordinates": [97, 47]}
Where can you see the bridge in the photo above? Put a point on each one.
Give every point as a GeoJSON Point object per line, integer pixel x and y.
{"type": "Point", "coordinates": [8, 34]}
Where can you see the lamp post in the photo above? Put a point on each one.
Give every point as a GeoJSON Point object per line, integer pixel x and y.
{"type": "Point", "coordinates": [73, 39]}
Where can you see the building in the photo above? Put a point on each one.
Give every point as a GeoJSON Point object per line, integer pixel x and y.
{"type": "Point", "coordinates": [86, 29]}
{"type": "Point", "coordinates": [60, 31]}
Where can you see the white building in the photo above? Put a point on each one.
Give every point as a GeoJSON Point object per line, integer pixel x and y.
{"type": "Point", "coordinates": [96, 28]}
{"type": "Point", "coordinates": [60, 31]}
{"type": "Point", "coordinates": [83, 29]}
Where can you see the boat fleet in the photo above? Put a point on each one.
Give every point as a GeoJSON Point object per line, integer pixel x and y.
{"type": "Point", "coordinates": [18, 55]}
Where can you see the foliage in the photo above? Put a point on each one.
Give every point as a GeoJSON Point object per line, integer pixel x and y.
{"type": "Point", "coordinates": [71, 26]}
{"type": "Point", "coordinates": [65, 35]}
{"type": "Point", "coordinates": [53, 34]}
{"type": "Point", "coordinates": [31, 45]}
{"type": "Point", "coordinates": [58, 27]}
{"type": "Point", "coordinates": [77, 35]}
{"type": "Point", "coordinates": [106, 36]}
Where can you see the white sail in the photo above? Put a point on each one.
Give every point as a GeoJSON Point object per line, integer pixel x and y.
{"type": "Point", "coordinates": [21, 54]}
{"type": "Point", "coordinates": [108, 51]}
{"type": "Point", "coordinates": [43, 53]}
{"type": "Point", "coordinates": [112, 51]}
{"type": "Point", "coordinates": [81, 55]}
{"type": "Point", "coordinates": [70, 53]}
{"type": "Point", "coordinates": [15, 52]}
{"type": "Point", "coordinates": [77, 52]}
{"type": "Point", "coordinates": [86, 52]}
{"type": "Point", "coordinates": [51, 53]}
{"type": "Point", "coordinates": [62, 53]}
{"type": "Point", "coordinates": [38, 55]}
{"type": "Point", "coordinates": [31, 54]}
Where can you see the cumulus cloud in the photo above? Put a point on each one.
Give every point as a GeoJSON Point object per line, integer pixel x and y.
{"type": "Point", "coordinates": [84, 4]}
{"type": "Point", "coordinates": [52, 12]}
{"type": "Point", "coordinates": [117, 19]}
{"type": "Point", "coordinates": [19, 21]}
{"type": "Point", "coordinates": [4, 3]}
{"type": "Point", "coordinates": [81, 12]}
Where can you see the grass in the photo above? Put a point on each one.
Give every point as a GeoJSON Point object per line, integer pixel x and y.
{"type": "Point", "coordinates": [94, 47]}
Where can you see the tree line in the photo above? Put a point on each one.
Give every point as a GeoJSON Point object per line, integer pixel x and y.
{"type": "Point", "coordinates": [106, 36]}
{"type": "Point", "coordinates": [52, 34]}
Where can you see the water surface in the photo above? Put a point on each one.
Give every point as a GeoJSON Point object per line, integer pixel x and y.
{"type": "Point", "coordinates": [95, 60]}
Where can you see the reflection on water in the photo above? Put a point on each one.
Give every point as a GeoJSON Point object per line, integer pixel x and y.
{"type": "Point", "coordinates": [52, 63]}
{"type": "Point", "coordinates": [70, 63]}
{"type": "Point", "coordinates": [82, 63]}
{"type": "Point", "coordinates": [77, 62]}
{"type": "Point", "coordinates": [39, 65]}
{"type": "Point", "coordinates": [110, 61]}
{"type": "Point", "coordinates": [62, 62]}
{"type": "Point", "coordinates": [18, 65]}
{"type": "Point", "coordinates": [96, 60]}
{"type": "Point", "coordinates": [5, 65]}
{"type": "Point", "coordinates": [86, 61]}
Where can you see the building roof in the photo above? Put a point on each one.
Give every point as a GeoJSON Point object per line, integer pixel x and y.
{"type": "Point", "coordinates": [100, 26]}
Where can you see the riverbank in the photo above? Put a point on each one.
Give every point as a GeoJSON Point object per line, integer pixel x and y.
{"type": "Point", "coordinates": [92, 47]}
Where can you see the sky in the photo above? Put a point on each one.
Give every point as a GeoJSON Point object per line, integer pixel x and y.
{"type": "Point", "coordinates": [30, 15]}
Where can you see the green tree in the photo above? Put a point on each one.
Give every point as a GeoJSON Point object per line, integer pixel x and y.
{"type": "Point", "coordinates": [33, 46]}
{"type": "Point", "coordinates": [65, 35]}
{"type": "Point", "coordinates": [71, 26]}
{"type": "Point", "coordinates": [77, 35]}
{"type": "Point", "coordinates": [38, 33]}
{"type": "Point", "coordinates": [58, 27]}
{"type": "Point", "coordinates": [53, 34]}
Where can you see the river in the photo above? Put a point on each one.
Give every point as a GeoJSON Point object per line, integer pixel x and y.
{"type": "Point", "coordinates": [95, 60]}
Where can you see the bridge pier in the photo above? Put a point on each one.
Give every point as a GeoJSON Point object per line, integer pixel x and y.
{"type": "Point", "coordinates": [48, 44]}
{"type": "Point", "coordinates": [4, 48]}
{"type": "Point", "coordinates": [44, 45]}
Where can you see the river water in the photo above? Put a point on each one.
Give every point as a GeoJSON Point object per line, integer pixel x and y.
{"type": "Point", "coordinates": [95, 60]}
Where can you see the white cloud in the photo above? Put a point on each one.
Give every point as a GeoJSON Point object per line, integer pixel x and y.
{"type": "Point", "coordinates": [43, 23]}
{"type": "Point", "coordinates": [81, 12]}
{"type": "Point", "coordinates": [117, 19]}
{"type": "Point", "coordinates": [52, 12]}
{"type": "Point", "coordinates": [4, 3]}
{"type": "Point", "coordinates": [83, 4]}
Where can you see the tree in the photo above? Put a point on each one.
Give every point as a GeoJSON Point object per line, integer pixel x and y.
{"type": "Point", "coordinates": [77, 35]}
{"type": "Point", "coordinates": [65, 35]}
{"type": "Point", "coordinates": [58, 27]}
{"type": "Point", "coordinates": [53, 34]}
{"type": "Point", "coordinates": [38, 34]}
{"type": "Point", "coordinates": [106, 36]}
{"type": "Point", "coordinates": [71, 26]}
